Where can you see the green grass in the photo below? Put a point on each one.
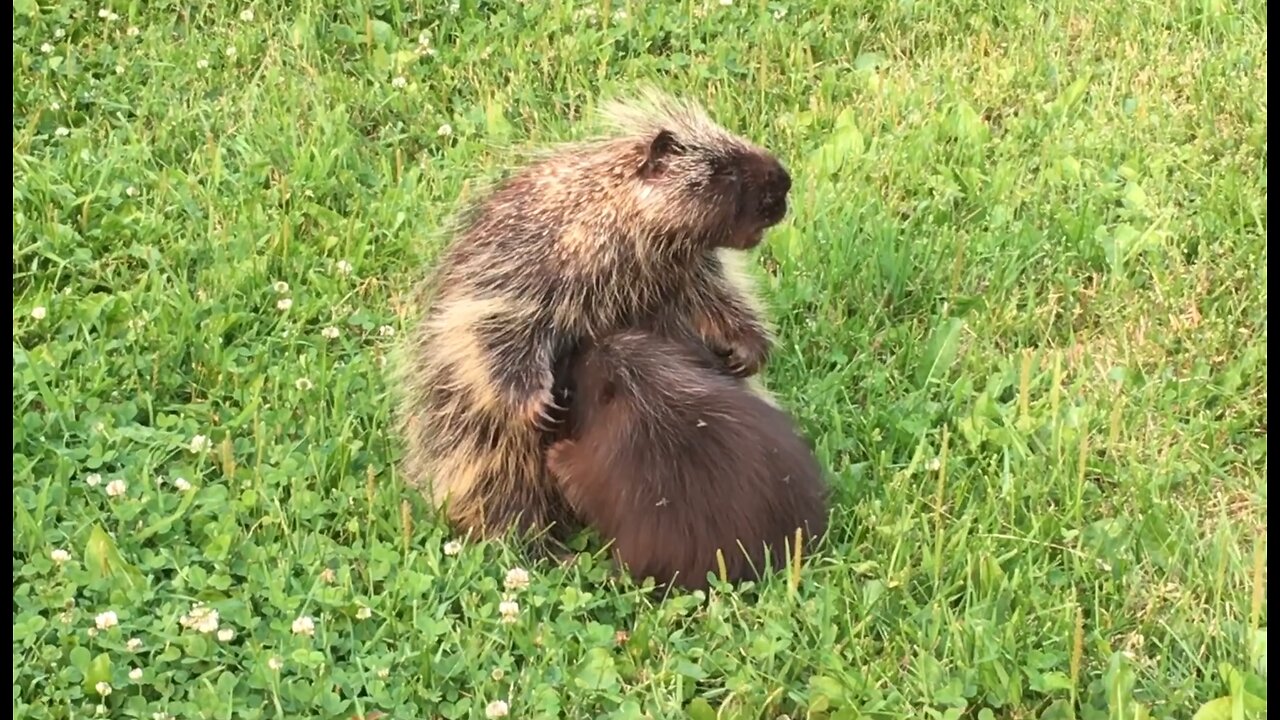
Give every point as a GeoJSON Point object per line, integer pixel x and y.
{"type": "Point", "coordinates": [1022, 308]}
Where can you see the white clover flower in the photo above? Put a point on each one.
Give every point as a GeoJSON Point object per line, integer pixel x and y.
{"type": "Point", "coordinates": [226, 634]}
{"type": "Point", "coordinates": [330, 332]}
{"type": "Point", "coordinates": [182, 484]}
{"type": "Point", "coordinates": [399, 82]}
{"type": "Point", "coordinates": [453, 547]}
{"type": "Point", "coordinates": [60, 556]}
{"type": "Point", "coordinates": [364, 613]}
{"type": "Point", "coordinates": [135, 674]}
{"type": "Point", "coordinates": [304, 625]}
{"type": "Point", "coordinates": [201, 619]}
{"type": "Point", "coordinates": [516, 579]}
{"type": "Point", "coordinates": [46, 48]}
{"type": "Point", "coordinates": [509, 610]}
{"type": "Point", "coordinates": [386, 331]}
{"type": "Point", "coordinates": [200, 443]}
{"type": "Point", "coordinates": [103, 687]}
{"type": "Point", "coordinates": [116, 488]}
{"type": "Point", "coordinates": [280, 286]}
{"type": "Point", "coordinates": [106, 620]}
{"type": "Point", "coordinates": [202, 64]}
{"type": "Point", "coordinates": [445, 130]}
{"type": "Point", "coordinates": [247, 15]}
{"type": "Point", "coordinates": [496, 709]}
{"type": "Point", "coordinates": [275, 663]}
{"type": "Point", "coordinates": [283, 304]}
{"type": "Point", "coordinates": [62, 132]}
{"type": "Point", "coordinates": [92, 479]}
{"type": "Point", "coordinates": [303, 384]}
{"type": "Point", "coordinates": [134, 645]}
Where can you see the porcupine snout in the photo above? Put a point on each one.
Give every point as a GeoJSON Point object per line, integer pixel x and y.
{"type": "Point", "coordinates": [774, 191]}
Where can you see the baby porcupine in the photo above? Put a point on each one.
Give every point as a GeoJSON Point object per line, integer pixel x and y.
{"type": "Point", "coordinates": [671, 458]}
{"type": "Point", "coordinates": [631, 229]}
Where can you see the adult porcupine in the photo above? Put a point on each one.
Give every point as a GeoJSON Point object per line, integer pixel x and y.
{"type": "Point", "coordinates": [636, 228]}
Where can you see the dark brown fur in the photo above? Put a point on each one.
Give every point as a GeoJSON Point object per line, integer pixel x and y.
{"type": "Point", "coordinates": [637, 229]}
{"type": "Point", "coordinates": [670, 458]}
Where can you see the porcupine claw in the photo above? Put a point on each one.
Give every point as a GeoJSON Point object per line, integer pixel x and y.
{"type": "Point", "coordinates": [747, 354]}
{"type": "Point", "coordinates": [544, 421]}
{"type": "Point", "coordinates": [541, 413]}
{"type": "Point", "coordinates": [737, 365]}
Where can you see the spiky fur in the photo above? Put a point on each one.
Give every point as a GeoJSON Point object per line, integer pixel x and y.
{"type": "Point", "coordinates": [629, 229]}
{"type": "Point", "coordinates": [672, 459]}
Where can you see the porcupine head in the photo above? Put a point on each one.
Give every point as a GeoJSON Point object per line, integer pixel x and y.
{"type": "Point", "coordinates": [696, 181]}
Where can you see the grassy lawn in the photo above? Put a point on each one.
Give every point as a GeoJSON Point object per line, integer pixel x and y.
{"type": "Point", "coordinates": [1022, 307]}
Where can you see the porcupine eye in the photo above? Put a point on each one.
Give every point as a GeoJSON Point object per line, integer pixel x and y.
{"type": "Point", "coordinates": [725, 176]}
{"type": "Point", "coordinates": [724, 181]}
{"type": "Point", "coordinates": [722, 169]}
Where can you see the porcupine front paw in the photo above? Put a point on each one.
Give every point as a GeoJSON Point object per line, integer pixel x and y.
{"type": "Point", "coordinates": [748, 353]}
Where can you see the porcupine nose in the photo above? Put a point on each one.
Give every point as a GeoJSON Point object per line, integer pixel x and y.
{"type": "Point", "coordinates": [773, 201]}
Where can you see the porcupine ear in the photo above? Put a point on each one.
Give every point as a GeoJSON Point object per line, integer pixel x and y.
{"type": "Point", "coordinates": [661, 148]}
